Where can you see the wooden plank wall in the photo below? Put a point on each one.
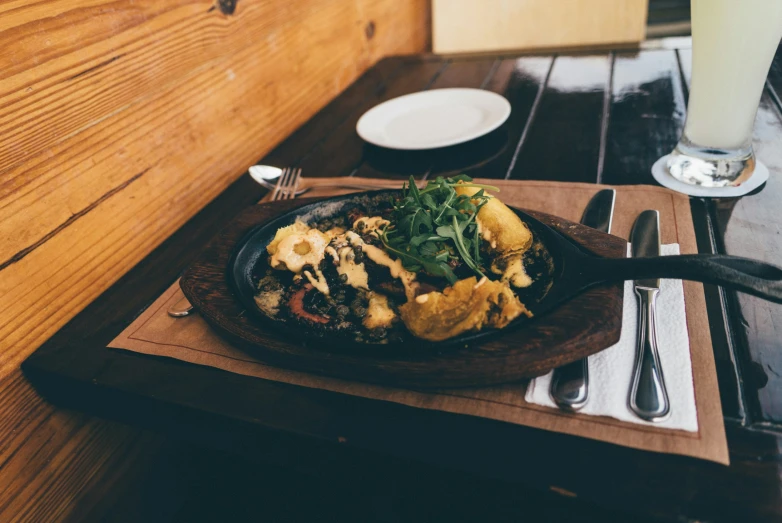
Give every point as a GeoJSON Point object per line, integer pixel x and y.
{"type": "Point", "coordinates": [119, 119]}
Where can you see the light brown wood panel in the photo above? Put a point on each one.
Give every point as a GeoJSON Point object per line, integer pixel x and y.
{"type": "Point", "coordinates": [466, 26]}
{"type": "Point", "coordinates": [389, 25]}
{"type": "Point", "coordinates": [119, 119]}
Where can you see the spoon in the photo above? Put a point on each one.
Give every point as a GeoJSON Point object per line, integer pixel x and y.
{"type": "Point", "coordinates": [267, 176]}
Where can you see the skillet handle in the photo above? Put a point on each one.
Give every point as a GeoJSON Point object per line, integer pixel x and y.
{"type": "Point", "coordinates": [742, 274]}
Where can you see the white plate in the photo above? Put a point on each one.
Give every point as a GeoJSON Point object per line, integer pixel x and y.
{"type": "Point", "coordinates": [435, 118]}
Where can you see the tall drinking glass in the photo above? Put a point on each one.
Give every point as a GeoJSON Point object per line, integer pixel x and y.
{"type": "Point", "coordinates": [733, 43]}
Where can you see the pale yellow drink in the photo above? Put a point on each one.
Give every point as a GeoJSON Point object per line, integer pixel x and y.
{"type": "Point", "coordinates": [733, 44]}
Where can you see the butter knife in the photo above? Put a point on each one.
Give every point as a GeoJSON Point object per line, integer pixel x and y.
{"type": "Point", "coordinates": [570, 383]}
{"type": "Point", "coordinates": [648, 395]}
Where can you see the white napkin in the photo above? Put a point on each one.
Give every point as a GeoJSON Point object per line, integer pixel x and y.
{"type": "Point", "coordinates": [610, 370]}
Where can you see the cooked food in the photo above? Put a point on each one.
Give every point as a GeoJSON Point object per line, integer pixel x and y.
{"type": "Point", "coordinates": [469, 305]}
{"type": "Point", "coordinates": [507, 236]}
{"type": "Point", "coordinates": [434, 263]}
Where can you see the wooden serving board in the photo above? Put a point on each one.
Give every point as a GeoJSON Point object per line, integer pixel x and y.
{"type": "Point", "coordinates": [584, 325]}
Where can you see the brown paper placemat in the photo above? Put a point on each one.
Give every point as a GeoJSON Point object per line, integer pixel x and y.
{"type": "Point", "coordinates": [190, 339]}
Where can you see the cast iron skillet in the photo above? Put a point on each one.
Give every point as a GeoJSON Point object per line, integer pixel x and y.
{"type": "Point", "coordinates": [574, 269]}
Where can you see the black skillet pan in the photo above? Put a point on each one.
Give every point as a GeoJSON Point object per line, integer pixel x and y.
{"type": "Point", "coordinates": [572, 270]}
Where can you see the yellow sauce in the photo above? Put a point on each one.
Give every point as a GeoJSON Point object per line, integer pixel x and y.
{"type": "Point", "coordinates": [355, 272]}
{"type": "Point", "coordinates": [334, 232]}
{"type": "Point", "coordinates": [331, 251]}
{"type": "Point", "coordinates": [380, 257]}
{"type": "Point", "coordinates": [379, 314]}
{"type": "Point", "coordinates": [297, 250]}
{"type": "Point", "coordinates": [515, 273]}
{"type": "Point", "coordinates": [371, 224]}
{"type": "Point", "coordinates": [485, 233]}
{"type": "Point", "coordinates": [296, 228]}
{"type": "Point", "coordinates": [318, 281]}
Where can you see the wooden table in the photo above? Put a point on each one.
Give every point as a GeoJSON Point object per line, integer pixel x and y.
{"type": "Point", "coordinates": [589, 117]}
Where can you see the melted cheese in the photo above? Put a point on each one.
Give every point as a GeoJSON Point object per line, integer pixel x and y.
{"type": "Point", "coordinates": [485, 233]}
{"type": "Point", "coordinates": [298, 250]}
{"type": "Point", "coordinates": [423, 298]}
{"type": "Point", "coordinates": [296, 228]}
{"type": "Point", "coordinates": [371, 224]}
{"type": "Point", "coordinates": [334, 232]}
{"type": "Point", "coordinates": [331, 251]}
{"type": "Point", "coordinates": [515, 272]}
{"type": "Point", "coordinates": [355, 272]}
{"type": "Point", "coordinates": [379, 314]}
{"type": "Point", "coordinates": [318, 281]}
{"type": "Point", "coordinates": [395, 267]}
{"type": "Point", "coordinates": [298, 246]}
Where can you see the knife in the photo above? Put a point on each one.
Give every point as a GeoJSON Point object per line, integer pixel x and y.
{"type": "Point", "coordinates": [570, 383]}
{"type": "Point", "coordinates": [648, 395]}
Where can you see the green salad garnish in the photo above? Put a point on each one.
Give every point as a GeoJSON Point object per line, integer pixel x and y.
{"type": "Point", "coordinates": [433, 229]}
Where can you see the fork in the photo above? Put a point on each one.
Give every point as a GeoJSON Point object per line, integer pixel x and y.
{"type": "Point", "coordinates": [286, 185]}
{"type": "Point", "coordinates": [268, 176]}
{"type": "Point", "coordinates": [284, 190]}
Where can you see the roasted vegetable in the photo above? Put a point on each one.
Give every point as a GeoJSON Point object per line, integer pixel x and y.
{"type": "Point", "coordinates": [469, 305]}
{"type": "Point", "coordinates": [507, 236]}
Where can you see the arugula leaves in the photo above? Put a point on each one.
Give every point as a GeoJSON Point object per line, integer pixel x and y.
{"type": "Point", "coordinates": [434, 230]}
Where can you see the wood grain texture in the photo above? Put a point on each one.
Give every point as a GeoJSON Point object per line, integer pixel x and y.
{"type": "Point", "coordinates": [582, 326]}
{"type": "Point", "coordinates": [522, 81]}
{"type": "Point", "coordinates": [646, 114]}
{"type": "Point", "coordinates": [325, 431]}
{"type": "Point", "coordinates": [119, 119]}
{"type": "Point", "coordinates": [465, 26]}
{"type": "Point", "coordinates": [567, 117]}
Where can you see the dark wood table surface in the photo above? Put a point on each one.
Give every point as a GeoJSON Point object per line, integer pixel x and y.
{"type": "Point", "coordinates": [601, 116]}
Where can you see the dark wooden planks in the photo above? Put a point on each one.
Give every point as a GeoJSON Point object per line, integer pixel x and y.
{"type": "Point", "coordinates": [473, 73]}
{"type": "Point", "coordinates": [471, 156]}
{"type": "Point", "coordinates": [751, 226]}
{"type": "Point", "coordinates": [317, 129]}
{"type": "Point", "coordinates": [646, 115]}
{"type": "Point", "coordinates": [341, 151]}
{"type": "Point", "coordinates": [521, 81]}
{"type": "Point", "coordinates": [563, 140]}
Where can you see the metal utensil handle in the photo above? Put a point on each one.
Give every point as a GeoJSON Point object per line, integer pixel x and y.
{"type": "Point", "coordinates": [570, 385]}
{"type": "Point", "coordinates": [366, 186]}
{"type": "Point", "coordinates": [313, 184]}
{"type": "Point", "coordinates": [648, 394]}
{"type": "Point", "coordinates": [181, 308]}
